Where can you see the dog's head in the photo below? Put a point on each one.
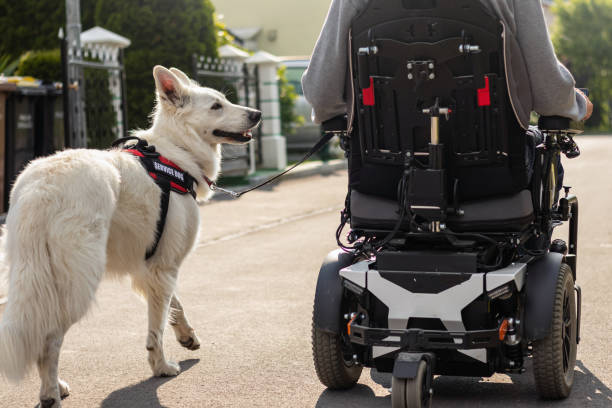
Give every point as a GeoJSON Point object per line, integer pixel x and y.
{"type": "Point", "coordinates": [204, 111]}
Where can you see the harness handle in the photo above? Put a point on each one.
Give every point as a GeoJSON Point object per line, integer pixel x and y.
{"type": "Point", "coordinates": [117, 142]}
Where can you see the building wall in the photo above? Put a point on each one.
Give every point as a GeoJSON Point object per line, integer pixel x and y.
{"type": "Point", "coordinates": [289, 27]}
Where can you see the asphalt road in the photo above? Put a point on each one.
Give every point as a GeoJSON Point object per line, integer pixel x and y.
{"type": "Point", "coordinates": [248, 290]}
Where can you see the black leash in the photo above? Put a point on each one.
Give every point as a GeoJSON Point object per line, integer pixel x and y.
{"type": "Point", "coordinates": [327, 136]}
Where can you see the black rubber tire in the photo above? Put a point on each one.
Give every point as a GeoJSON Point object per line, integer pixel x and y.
{"type": "Point", "coordinates": [410, 393]}
{"type": "Point", "coordinates": [332, 370]}
{"type": "Point", "coordinates": [554, 357]}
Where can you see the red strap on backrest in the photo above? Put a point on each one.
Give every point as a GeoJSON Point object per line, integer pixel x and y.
{"type": "Point", "coordinates": [368, 94]}
{"type": "Point", "coordinates": [484, 94]}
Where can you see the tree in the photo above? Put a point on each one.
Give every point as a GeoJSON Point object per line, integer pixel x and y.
{"type": "Point", "coordinates": [224, 37]}
{"type": "Point", "coordinates": [30, 25]}
{"type": "Point", "coordinates": [288, 96]}
{"type": "Point", "coordinates": [583, 39]}
{"type": "Point", "coordinates": [164, 32]}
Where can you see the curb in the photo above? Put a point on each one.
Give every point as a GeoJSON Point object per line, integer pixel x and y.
{"type": "Point", "coordinates": [305, 170]}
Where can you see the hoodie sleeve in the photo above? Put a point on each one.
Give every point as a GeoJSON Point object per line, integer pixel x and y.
{"type": "Point", "coordinates": [552, 85]}
{"type": "Point", "coordinates": [324, 82]}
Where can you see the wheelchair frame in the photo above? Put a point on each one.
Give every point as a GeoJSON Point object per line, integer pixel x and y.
{"type": "Point", "coordinates": [512, 297]}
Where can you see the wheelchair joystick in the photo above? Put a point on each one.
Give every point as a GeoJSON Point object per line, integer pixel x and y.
{"type": "Point", "coordinates": [569, 147]}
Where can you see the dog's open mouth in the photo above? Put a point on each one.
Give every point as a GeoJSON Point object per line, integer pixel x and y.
{"type": "Point", "coordinates": [239, 137]}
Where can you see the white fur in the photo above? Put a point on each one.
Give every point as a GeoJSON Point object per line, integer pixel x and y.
{"type": "Point", "coordinates": [81, 214]}
{"type": "Point", "coordinates": [3, 268]}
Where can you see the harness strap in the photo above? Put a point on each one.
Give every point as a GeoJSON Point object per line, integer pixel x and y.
{"type": "Point", "coordinates": [167, 175]}
{"type": "Point", "coordinates": [163, 213]}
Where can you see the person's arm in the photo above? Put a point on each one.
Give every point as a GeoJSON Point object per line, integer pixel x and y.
{"type": "Point", "coordinates": [553, 86]}
{"type": "Point", "coordinates": [324, 82]}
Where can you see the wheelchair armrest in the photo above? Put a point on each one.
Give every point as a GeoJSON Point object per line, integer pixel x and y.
{"type": "Point", "coordinates": [335, 125]}
{"type": "Point", "coordinates": [560, 124]}
{"type": "Point", "coordinates": [553, 123]}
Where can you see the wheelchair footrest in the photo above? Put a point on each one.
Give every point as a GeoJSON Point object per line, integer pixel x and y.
{"type": "Point", "coordinates": [418, 339]}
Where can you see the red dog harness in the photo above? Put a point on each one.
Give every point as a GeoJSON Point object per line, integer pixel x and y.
{"type": "Point", "coordinates": [167, 175]}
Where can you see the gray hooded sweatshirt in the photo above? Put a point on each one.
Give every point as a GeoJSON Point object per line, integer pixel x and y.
{"type": "Point", "coordinates": [537, 81]}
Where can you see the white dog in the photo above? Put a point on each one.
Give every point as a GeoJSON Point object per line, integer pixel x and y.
{"type": "Point", "coordinates": [79, 214]}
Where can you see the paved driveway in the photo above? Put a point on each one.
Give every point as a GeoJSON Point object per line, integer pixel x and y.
{"type": "Point", "coordinates": [248, 290]}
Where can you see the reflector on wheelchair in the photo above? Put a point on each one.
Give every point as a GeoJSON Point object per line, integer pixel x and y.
{"type": "Point", "coordinates": [503, 329]}
{"type": "Point", "coordinates": [368, 94]}
{"type": "Point", "coordinates": [484, 94]}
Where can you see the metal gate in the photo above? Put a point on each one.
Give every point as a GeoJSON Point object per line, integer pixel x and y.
{"type": "Point", "coordinates": [239, 82]}
{"type": "Point", "coordinates": [94, 94]}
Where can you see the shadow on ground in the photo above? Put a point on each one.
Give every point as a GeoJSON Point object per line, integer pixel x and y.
{"type": "Point", "coordinates": [143, 394]}
{"type": "Point", "coordinates": [519, 391]}
{"type": "Point", "coordinates": [359, 396]}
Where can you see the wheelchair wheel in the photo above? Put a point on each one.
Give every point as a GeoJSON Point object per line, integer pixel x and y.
{"type": "Point", "coordinates": [411, 393]}
{"type": "Point", "coordinates": [333, 370]}
{"type": "Point", "coordinates": [554, 357]}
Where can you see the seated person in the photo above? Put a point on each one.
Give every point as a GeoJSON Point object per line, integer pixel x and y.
{"type": "Point", "coordinates": [552, 86]}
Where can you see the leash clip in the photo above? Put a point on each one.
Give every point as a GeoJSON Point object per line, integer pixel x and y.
{"type": "Point", "coordinates": [214, 187]}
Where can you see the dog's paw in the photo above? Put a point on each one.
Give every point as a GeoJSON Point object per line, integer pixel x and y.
{"type": "Point", "coordinates": [190, 342]}
{"type": "Point", "coordinates": [64, 389]}
{"type": "Point", "coordinates": [167, 369]}
{"type": "Point", "coordinates": [49, 403]}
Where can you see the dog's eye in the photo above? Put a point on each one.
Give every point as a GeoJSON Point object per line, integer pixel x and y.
{"type": "Point", "coordinates": [216, 106]}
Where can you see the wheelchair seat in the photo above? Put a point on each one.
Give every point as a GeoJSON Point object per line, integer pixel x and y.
{"type": "Point", "coordinates": [512, 213]}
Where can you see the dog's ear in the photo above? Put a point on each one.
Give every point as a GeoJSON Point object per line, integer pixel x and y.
{"type": "Point", "coordinates": [181, 75]}
{"type": "Point", "coordinates": [168, 85]}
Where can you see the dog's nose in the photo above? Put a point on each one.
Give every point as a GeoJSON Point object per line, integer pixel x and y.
{"type": "Point", "coordinates": [254, 116]}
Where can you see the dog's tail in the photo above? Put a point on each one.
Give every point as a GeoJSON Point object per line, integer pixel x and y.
{"type": "Point", "coordinates": [31, 310]}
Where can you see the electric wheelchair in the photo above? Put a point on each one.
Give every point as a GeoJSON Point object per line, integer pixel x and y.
{"type": "Point", "coordinates": [449, 267]}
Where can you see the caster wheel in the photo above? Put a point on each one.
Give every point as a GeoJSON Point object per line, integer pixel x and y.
{"type": "Point", "coordinates": [412, 393]}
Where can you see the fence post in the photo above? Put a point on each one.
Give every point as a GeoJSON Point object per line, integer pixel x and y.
{"type": "Point", "coordinates": [108, 48]}
{"type": "Point", "coordinates": [273, 143]}
{"type": "Point", "coordinates": [76, 81]}
{"type": "Point", "coordinates": [235, 58]}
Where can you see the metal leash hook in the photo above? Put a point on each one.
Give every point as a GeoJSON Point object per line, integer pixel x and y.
{"type": "Point", "coordinates": [215, 187]}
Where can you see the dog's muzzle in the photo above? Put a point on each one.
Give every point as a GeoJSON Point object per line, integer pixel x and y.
{"type": "Point", "coordinates": [239, 137]}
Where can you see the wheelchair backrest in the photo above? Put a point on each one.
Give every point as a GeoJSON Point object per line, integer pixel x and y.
{"type": "Point", "coordinates": [409, 55]}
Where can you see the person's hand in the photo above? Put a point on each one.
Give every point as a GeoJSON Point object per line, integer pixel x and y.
{"type": "Point", "coordinates": [588, 103]}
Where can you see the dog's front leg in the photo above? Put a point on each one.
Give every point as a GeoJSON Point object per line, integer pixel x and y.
{"type": "Point", "coordinates": [185, 334]}
{"type": "Point", "coordinates": [158, 298]}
